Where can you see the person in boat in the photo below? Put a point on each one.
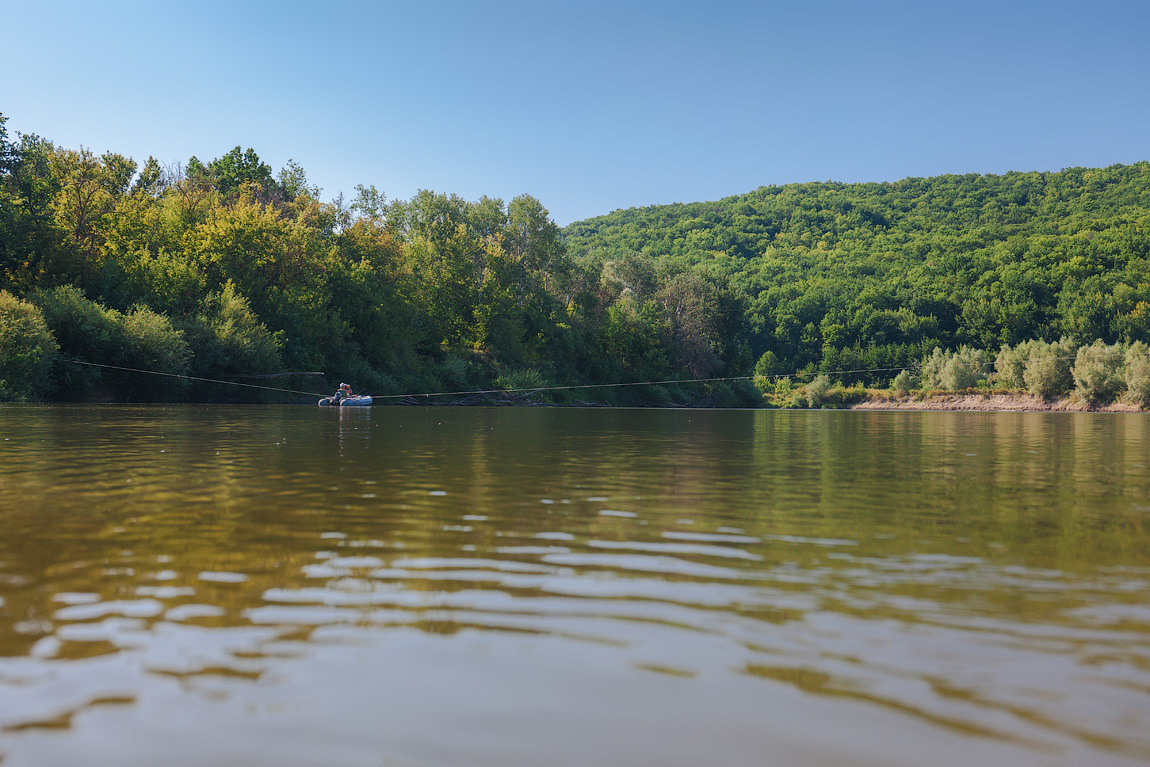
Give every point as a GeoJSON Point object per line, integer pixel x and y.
{"type": "Point", "coordinates": [344, 392]}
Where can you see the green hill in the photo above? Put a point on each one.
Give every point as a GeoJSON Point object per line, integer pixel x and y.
{"type": "Point", "coordinates": [848, 276]}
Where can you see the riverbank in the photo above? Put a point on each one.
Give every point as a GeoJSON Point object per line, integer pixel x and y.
{"type": "Point", "coordinates": [989, 402]}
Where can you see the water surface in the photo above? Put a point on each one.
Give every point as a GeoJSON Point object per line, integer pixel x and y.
{"type": "Point", "coordinates": [437, 586]}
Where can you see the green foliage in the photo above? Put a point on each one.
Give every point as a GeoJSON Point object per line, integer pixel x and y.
{"type": "Point", "coordinates": [29, 236]}
{"type": "Point", "coordinates": [963, 369]}
{"type": "Point", "coordinates": [240, 168]}
{"type": "Point", "coordinates": [195, 169]}
{"type": "Point", "coordinates": [369, 202]}
{"type": "Point", "coordinates": [7, 148]}
{"type": "Point", "coordinates": [293, 181]}
{"type": "Point", "coordinates": [164, 281]}
{"type": "Point", "coordinates": [1098, 372]}
{"type": "Point", "coordinates": [777, 392]}
{"type": "Point", "coordinates": [140, 340]}
{"type": "Point", "coordinates": [817, 390]}
{"type": "Point", "coordinates": [520, 381]}
{"type": "Point", "coordinates": [1010, 365]}
{"type": "Point", "coordinates": [227, 339]}
{"type": "Point", "coordinates": [954, 371]}
{"type": "Point", "coordinates": [845, 396]}
{"type": "Point", "coordinates": [149, 341]}
{"type": "Point", "coordinates": [768, 365]}
{"type": "Point", "coordinates": [931, 373]}
{"type": "Point", "coordinates": [630, 340]}
{"type": "Point", "coordinates": [855, 282]}
{"type": "Point", "coordinates": [1048, 368]}
{"type": "Point", "coordinates": [459, 373]}
{"type": "Point", "coordinates": [831, 270]}
{"type": "Point", "coordinates": [151, 180]}
{"type": "Point", "coordinates": [89, 191]}
{"type": "Point", "coordinates": [902, 383]}
{"type": "Point", "coordinates": [1137, 374]}
{"type": "Point", "coordinates": [86, 332]}
{"type": "Point", "coordinates": [690, 305]}
{"type": "Point", "coordinates": [27, 349]}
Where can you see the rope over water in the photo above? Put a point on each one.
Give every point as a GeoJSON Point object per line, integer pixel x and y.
{"type": "Point", "coordinates": [480, 391]}
{"type": "Point", "coordinates": [197, 378]}
{"type": "Point", "coordinates": [419, 394]}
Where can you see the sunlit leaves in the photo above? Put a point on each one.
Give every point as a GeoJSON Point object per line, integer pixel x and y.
{"type": "Point", "coordinates": [27, 350]}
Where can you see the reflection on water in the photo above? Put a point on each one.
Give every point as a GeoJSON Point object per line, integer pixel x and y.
{"type": "Point", "coordinates": [300, 586]}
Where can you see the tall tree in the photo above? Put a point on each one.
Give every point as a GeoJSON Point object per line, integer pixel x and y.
{"type": "Point", "coordinates": [239, 168]}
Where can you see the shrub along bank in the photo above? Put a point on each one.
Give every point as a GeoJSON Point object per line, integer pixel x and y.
{"type": "Point", "coordinates": [1092, 375]}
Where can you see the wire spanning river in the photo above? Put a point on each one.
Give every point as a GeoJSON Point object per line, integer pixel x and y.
{"type": "Point", "coordinates": [438, 586]}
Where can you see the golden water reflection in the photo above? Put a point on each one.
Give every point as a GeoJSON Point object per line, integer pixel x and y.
{"type": "Point", "coordinates": [523, 586]}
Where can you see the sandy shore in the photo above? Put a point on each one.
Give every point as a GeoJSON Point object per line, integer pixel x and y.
{"type": "Point", "coordinates": [990, 403]}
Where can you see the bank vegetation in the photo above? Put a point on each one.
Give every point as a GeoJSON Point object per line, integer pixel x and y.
{"type": "Point", "coordinates": [1032, 375]}
{"type": "Point", "coordinates": [225, 271]}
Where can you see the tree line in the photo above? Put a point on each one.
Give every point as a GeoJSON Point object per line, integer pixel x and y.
{"type": "Point", "coordinates": [225, 269]}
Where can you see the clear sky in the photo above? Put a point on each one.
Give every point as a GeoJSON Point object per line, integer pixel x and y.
{"type": "Point", "coordinates": [589, 106]}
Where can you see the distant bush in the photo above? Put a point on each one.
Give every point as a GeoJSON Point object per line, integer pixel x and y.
{"type": "Point", "coordinates": [1095, 373]}
{"type": "Point", "coordinates": [954, 371]}
{"type": "Point", "coordinates": [932, 365]}
{"type": "Point", "coordinates": [845, 396]}
{"type": "Point", "coordinates": [902, 383]}
{"type": "Point", "coordinates": [226, 338]}
{"type": "Point", "coordinates": [141, 340]}
{"type": "Point", "coordinates": [149, 341]}
{"type": "Point", "coordinates": [1048, 368]}
{"type": "Point", "coordinates": [518, 383]}
{"type": "Point", "coordinates": [82, 327]}
{"type": "Point", "coordinates": [1098, 372]}
{"type": "Point", "coordinates": [817, 390]}
{"type": "Point", "coordinates": [963, 369]}
{"type": "Point", "coordinates": [768, 365]}
{"type": "Point", "coordinates": [1010, 365]}
{"type": "Point", "coordinates": [461, 372]}
{"type": "Point", "coordinates": [1137, 374]}
{"type": "Point", "coordinates": [27, 350]}
{"type": "Point", "coordinates": [777, 392]}
{"type": "Point", "coordinates": [86, 332]}
{"type": "Point", "coordinates": [736, 394]}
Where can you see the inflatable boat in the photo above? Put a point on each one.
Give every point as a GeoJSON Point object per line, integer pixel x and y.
{"type": "Point", "coordinates": [358, 400]}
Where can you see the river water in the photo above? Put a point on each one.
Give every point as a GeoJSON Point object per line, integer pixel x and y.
{"type": "Point", "coordinates": [194, 585]}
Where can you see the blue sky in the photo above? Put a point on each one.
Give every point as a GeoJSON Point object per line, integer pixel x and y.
{"type": "Point", "coordinates": [589, 106]}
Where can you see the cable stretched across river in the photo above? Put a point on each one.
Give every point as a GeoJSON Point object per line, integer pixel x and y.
{"type": "Point", "coordinates": [615, 385]}
{"type": "Point", "coordinates": [197, 378]}
{"type": "Point", "coordinates": [418, 394]}
{"type": "Point", "coordinates": [531, 389]}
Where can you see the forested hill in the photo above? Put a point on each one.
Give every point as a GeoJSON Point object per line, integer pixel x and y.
{"type": "Point", "coordinates": [846, 276]}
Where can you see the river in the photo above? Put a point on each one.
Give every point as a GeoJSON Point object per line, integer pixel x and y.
{"type": "Point", "coordinates": [193, 585]}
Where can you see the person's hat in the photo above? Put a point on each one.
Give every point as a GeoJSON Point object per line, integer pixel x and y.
{"type": "Point", "coordinates": [345, 386]}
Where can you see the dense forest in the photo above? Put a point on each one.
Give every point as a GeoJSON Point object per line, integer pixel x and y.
{"type": "Point", "coordinates": [226, 270]}
{"type": "Point", "coordinates": [875, 276]}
